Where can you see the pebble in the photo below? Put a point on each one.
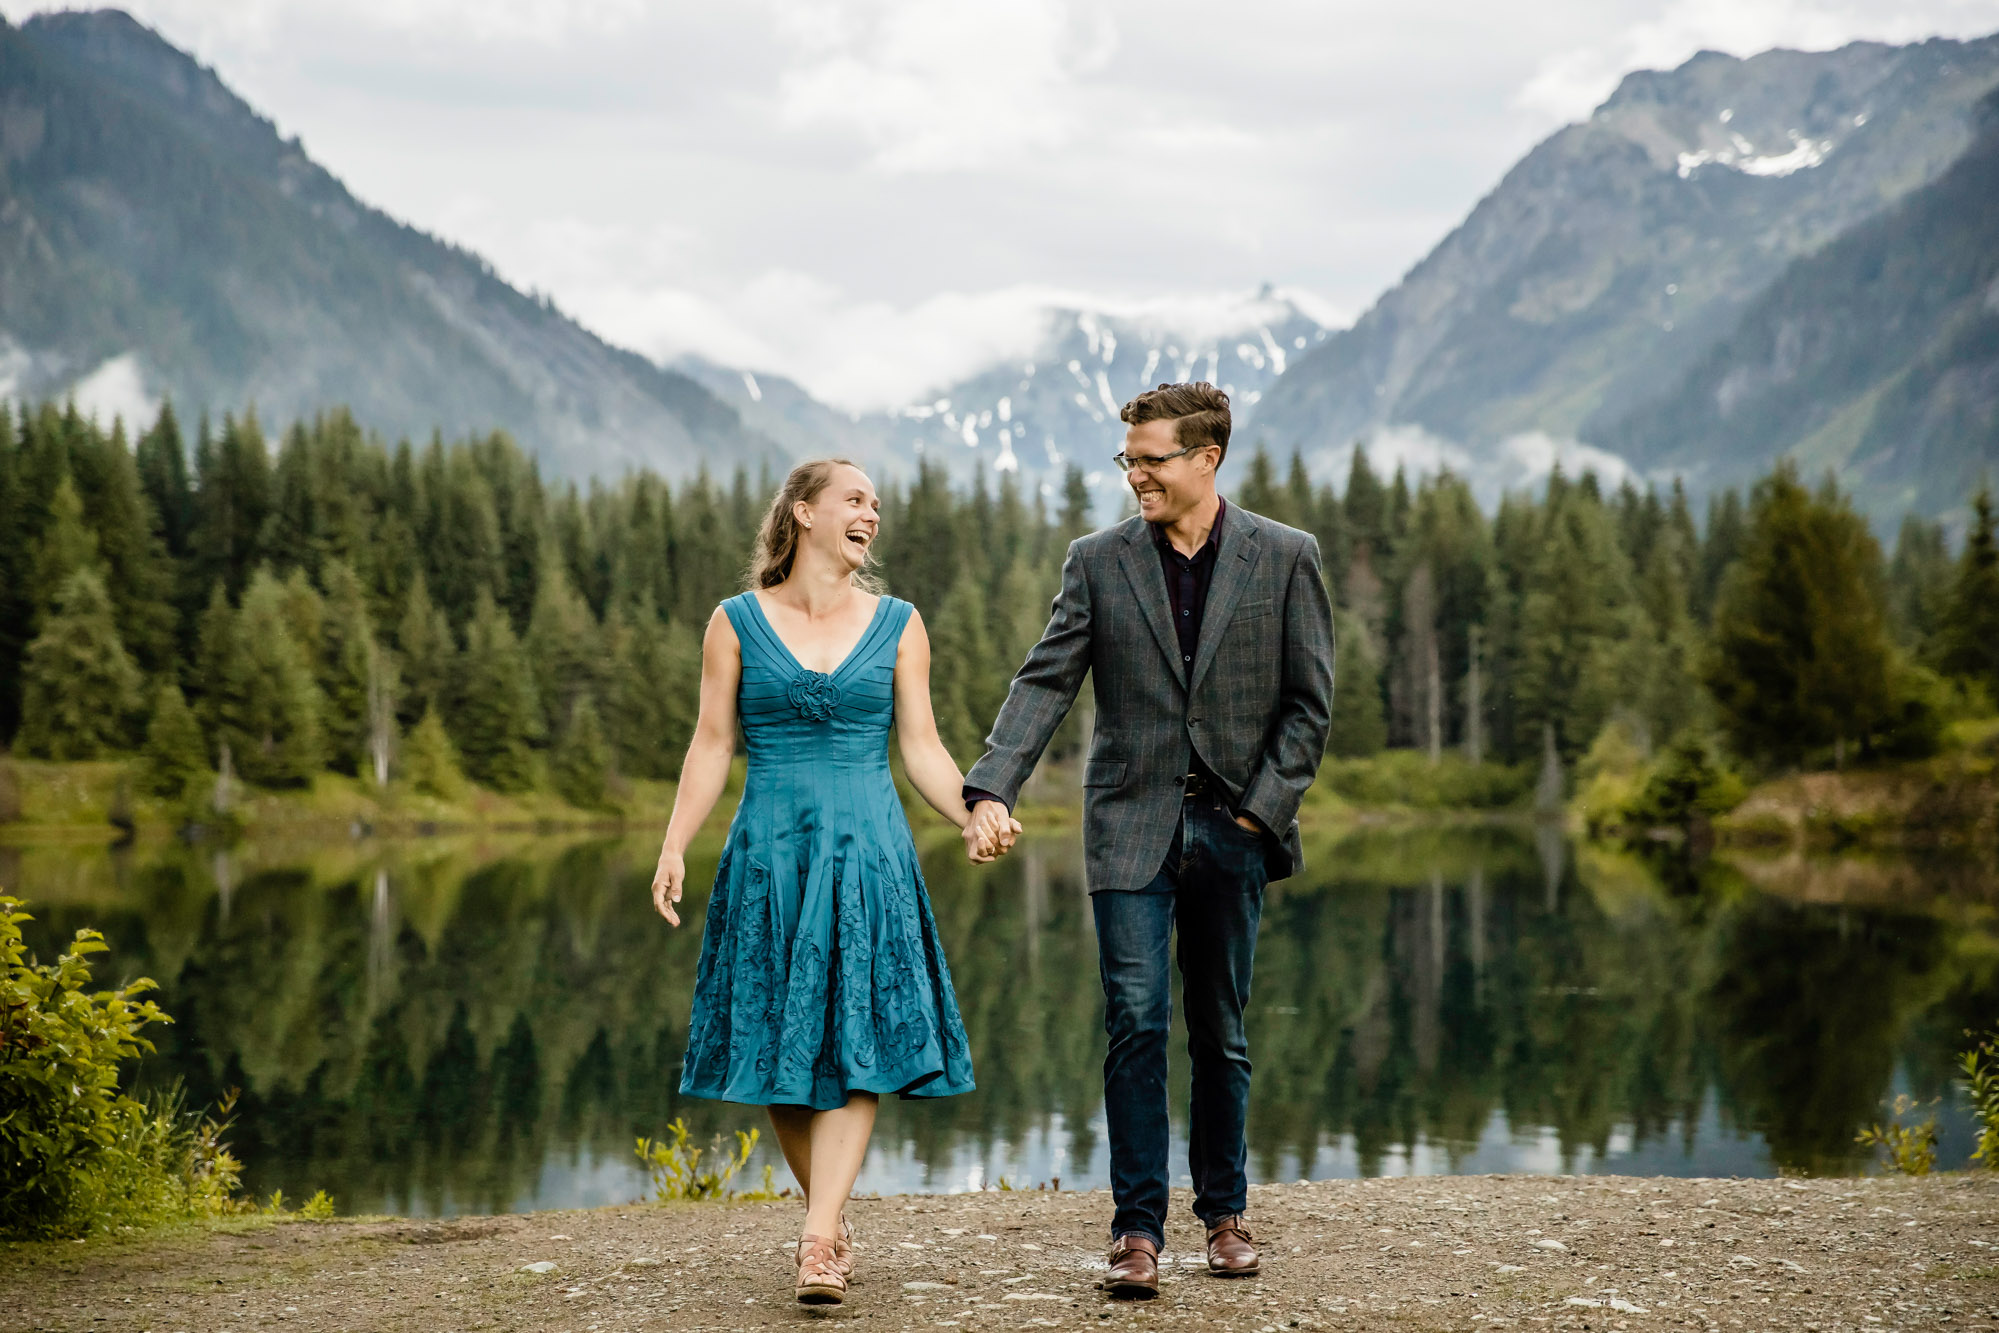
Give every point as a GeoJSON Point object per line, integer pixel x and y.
{"type": "Point", "coordinates": [923, 1286]}
{"type": "Point", "coordinates": [1546, 1244]}
{"type": "Point", "coordinates": [539, 1266]}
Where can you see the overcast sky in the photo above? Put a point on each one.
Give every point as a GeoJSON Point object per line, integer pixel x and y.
{"type": "Point", "coordinates": [873, 195]}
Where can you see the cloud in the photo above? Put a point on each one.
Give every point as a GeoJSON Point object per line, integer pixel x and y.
{"type": "Point", "coordinates": [940, 86]}
{"type": "Point", "coordinates": [116, 389]}
{"type": "Point", "coordinates": [1517, 463]}
{"type": "Point", "coordinates": [860, 354]}
{"type": "Point", "coordinates": [1570, 83]}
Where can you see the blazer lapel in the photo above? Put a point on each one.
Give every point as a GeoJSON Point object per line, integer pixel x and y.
{"type": "Point", "coordinates": [1148, 581]}
{"type": "Point", "coordinates": [1234, 563]}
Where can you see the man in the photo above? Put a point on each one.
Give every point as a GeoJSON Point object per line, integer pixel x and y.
{"type": "Point", "coordinates": [1208, 636]}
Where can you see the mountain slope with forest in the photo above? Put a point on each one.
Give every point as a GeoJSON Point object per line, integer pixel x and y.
{"type": "Point", "coordinates": [1878, 357]}
{"type": "Point", "coordinates": [153, 225]}
{"type": "Point", "coordinates": [1612, 260]}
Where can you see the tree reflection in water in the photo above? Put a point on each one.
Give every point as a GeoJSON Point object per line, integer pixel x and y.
{"type": "Point", "coordinates": [446, 1026]}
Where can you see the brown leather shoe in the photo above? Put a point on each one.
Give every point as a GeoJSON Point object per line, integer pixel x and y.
{"type": "Point", "coordinates": [1134, 1274]}
{"type": "Point", "coordinates": [1230, 1251]}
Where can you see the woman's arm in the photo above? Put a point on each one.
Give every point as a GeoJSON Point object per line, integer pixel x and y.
{"type": "Point", "coordinates": [706, 769]}
{"type": "Point", "coordinates": [929, 765]}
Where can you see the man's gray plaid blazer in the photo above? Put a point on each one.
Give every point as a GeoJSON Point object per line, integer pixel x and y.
{"type": "Point", "coordinates": [1255, 706]}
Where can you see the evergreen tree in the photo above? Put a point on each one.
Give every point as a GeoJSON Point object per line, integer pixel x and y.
{"type": "Point", "coordinates": [496, 715]}
{"type": "Point", "coordinates": [429, 653]}
{"type": "Point", "coordinates": [653, 691]}
{"type": "Point", "coordinates": [67, 546]}
{"type": "Point", "coordinates": [163, 475]}
{"type": "Point", "coordinates": [346, 666]}
{"type": "Point", "coordinates": [1365, 505]}
{"type": "Point", "coordinates": [963, 672]}
{"type": "Point", "coordinates": [581, 760]}
{"type": "Point", "coordinates": [305, 614]}
{"type": "Point", "coordinates": [215, 660]}
{"type": "Point", "coordinates": [430, 760]}
{"type": "Point", "coordinates": [271, 710]}
{"type": "Point", "coordinates": [176, 755]}
{"type": "Point", "coordinates": [1258, 492]}
{"type": "Point", "coordinates": [1576, 617]}
{"type": "Point", "coordinates": [1359, 728]}
{"type": "Point", "coordinates": [232, 500]}
{"type": "Point", "coordinates": [1727, 529]}
{"type": "Point", "coordinates": [562, 642]}
{"type": "Point", "coordinates": [137, 572]}
{"type": "Point", "coordinates": [1919, 583]}
{"type": "Point", "coordinates": [1800, 658]}
{"type": "Point", "coordinates": [1968, 632]}
{"type": "Point", "coordinates": [1665, 656]}
{"type": "Point", "coordinates": [79, 687]}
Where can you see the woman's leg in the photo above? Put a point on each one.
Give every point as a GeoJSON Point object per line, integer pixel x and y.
{"type": "Point", "coordinates": [793, 1127]}
{"type": "Point", "coordinates": [839, 1144]}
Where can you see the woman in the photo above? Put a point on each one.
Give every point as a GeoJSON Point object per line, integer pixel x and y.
{"type": "Point", "coordinates": [821, 984]}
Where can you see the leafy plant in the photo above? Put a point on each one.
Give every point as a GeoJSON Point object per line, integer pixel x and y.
{"type": "Point", "coordinates": [1981, 1080]}
{"type": "Point", "coordinates": [676, 1167]}
{"type": "Point", "coordinates": [1912, 1149]}
{"type": "Point", "coordinates": [76, 1152]}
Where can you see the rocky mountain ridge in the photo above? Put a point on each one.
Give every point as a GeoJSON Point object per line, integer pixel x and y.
{"type": "Point", "coordinates": [1609, 262]}
{"type": "Point", "coordinates": [154, 227]}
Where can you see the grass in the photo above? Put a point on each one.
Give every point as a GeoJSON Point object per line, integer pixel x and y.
{"type": "Point", "coordinates": [80, 798]}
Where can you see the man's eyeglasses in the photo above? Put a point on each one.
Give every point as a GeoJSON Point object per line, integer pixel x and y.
{"type": "Point", "coordinates": [1125, 462]}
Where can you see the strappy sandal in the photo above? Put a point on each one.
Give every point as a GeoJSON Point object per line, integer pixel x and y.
{"type": "Point", "coordinates": [820, 1281]}
{"type": "Point", "coordinates": [843, 1249]}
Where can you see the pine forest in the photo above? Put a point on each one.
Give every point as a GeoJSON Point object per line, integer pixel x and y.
{"type": "Point", "coordinates": [439, 615]}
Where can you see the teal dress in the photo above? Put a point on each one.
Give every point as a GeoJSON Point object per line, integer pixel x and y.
{"type": "Point", "coordinates": [821, 973]}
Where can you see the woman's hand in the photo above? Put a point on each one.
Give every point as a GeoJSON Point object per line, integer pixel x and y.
{"type": "Point", "coordinates": [667, 880]}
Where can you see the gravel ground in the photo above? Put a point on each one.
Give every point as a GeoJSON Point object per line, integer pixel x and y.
{"type": "Point", "coordinates": [1533, 1252]}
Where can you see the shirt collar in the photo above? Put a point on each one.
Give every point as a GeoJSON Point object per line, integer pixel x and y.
{"type": "Point", "coordinates": [1214, 542]}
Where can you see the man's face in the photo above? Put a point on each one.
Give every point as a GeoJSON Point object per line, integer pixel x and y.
{"type": "Point", "coordinates": [1167, 491]}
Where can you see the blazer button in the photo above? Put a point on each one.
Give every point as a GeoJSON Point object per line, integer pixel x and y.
{"type": "Point", "coordinates": [1180, 781]}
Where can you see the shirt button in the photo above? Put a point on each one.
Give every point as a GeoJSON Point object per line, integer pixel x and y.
{"type": "Point", "coordinates": [1186, 659]}
{"type": "Point", "coordinates": [1186, 613]}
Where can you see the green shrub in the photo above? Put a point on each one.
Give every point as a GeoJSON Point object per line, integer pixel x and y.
{"type": "Point", "coordinates": [676, 1168]}
{"type": "Point", "coordinates": [1688, 783]}
{"type": "Point", "coordinates": [1408, 778]}
{"type": "Point", "coordinates": [1912, 1149]}
{"type": "Point", "coordinates": [77, 1154]}
{"type": "Point", "coordinates": [1981, 1081]}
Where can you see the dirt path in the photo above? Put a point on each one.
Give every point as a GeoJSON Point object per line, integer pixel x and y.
{"type": "Point", "coordinates": [1533, 1252]}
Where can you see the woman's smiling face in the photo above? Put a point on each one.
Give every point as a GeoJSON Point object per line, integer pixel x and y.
{"type": "Point", "coordinates": [845, 518]}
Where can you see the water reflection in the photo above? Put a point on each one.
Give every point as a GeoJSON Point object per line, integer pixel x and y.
{"type": "Point", "coordinates": [479, 1025]}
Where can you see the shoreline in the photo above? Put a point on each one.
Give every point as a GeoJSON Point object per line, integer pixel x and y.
{"type": "Point", "coordinates": [1420, 1253]}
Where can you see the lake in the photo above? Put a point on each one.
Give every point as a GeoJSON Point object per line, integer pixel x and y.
{"type": "Point", "coordinates": [485, 1024]}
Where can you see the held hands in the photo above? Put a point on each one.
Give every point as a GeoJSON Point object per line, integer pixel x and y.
{"type": "Point", "coordinates": [667, 881]}
{"type": "Point", "coordinates": [989, 833]}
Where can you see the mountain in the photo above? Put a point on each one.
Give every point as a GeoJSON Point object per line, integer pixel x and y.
{"type": "Point", "coordinates": [1610, 264]}
{"type": "Point", "coordinates": [156, 232]}
{"type": "Point", "coordinates": [1058, 405]}
{"type": "Point", "coordinates": [1877, 356]}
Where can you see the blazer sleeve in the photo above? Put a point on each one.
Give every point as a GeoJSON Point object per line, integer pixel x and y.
{"type": "Point", "coordinates": [1305, 698]}
{"type": "Point", "coordinates": [1042, 690]}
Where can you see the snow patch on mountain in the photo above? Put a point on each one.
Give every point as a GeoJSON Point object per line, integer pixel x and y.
{"type": "Point", "coordinates": [1741, 155]}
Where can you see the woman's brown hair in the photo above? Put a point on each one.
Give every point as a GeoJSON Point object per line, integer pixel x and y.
{"type": "Point", "coordinates": [777, 536]}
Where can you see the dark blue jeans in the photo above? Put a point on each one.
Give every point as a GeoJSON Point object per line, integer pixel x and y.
{"type": "Point", "coordinates": [1211, 887]}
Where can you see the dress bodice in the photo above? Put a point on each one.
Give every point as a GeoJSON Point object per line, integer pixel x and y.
{"type": "Point", "coordinates": [793, 716]}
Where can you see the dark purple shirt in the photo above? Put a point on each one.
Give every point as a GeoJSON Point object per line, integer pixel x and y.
{"type": "Point", "coordinates": [1187, 580]}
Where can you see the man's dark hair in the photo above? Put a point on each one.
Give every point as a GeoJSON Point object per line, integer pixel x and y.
{"type": "Point", "coordinates": [1199, 413]}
